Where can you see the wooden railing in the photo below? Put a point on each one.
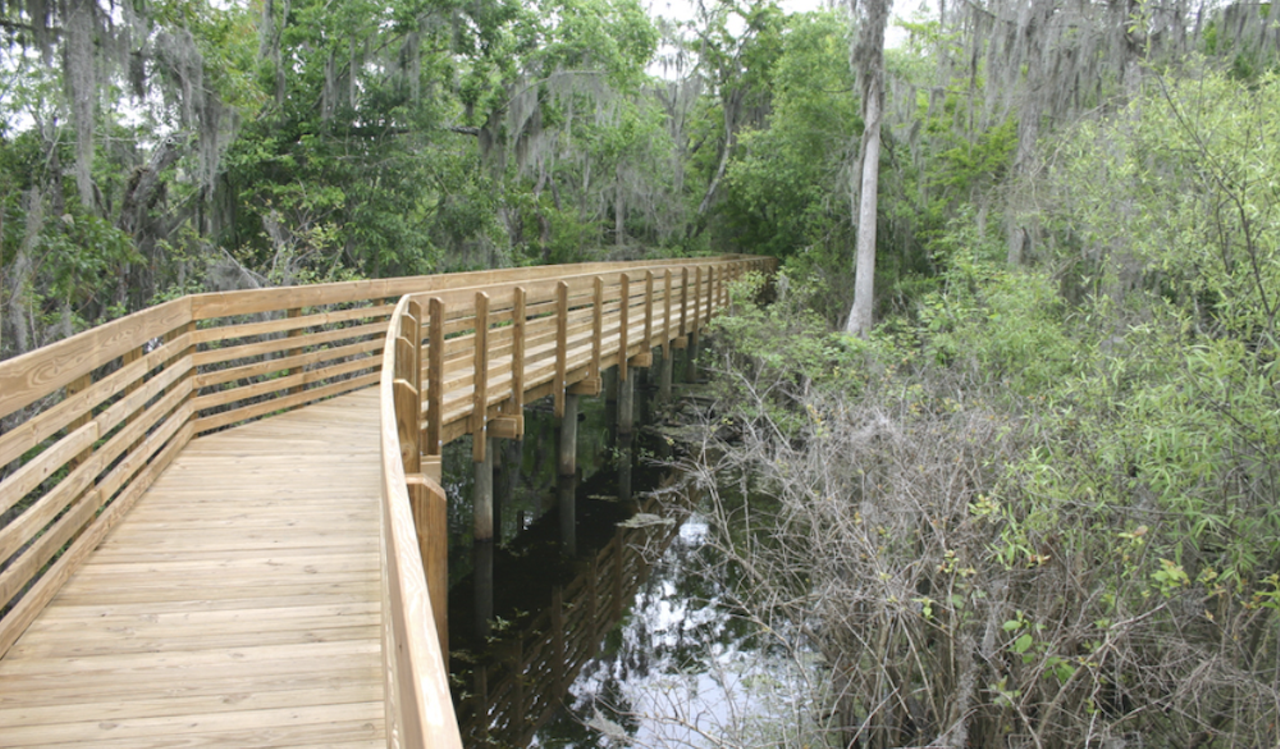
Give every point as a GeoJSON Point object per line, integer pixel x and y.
{"type": "Point", "coordinates": [464, 360]}
{"type": "Point", "coordinates": [91, 421]}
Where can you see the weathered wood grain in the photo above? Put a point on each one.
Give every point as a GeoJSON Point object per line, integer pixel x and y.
{"type": "Point", "coordinates": [35, 374]}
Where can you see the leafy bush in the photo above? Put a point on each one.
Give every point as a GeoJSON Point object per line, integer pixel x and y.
{"type": "Point", "coordinates": [1020, 516]}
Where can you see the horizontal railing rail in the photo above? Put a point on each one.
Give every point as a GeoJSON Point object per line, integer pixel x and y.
{"type": "Point", "coordinates": [91, 421]}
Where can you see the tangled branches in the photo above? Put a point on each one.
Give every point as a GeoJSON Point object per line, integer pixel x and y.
{"type": "Point", "coordinates": [897, 535]}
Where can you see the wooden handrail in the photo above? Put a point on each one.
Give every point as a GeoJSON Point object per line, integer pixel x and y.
{"type": "Point", "coordinates": [91, 421]}
{"type": "Point", "coordinates": [419, 709]}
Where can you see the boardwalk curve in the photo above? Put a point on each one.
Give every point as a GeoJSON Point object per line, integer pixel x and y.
{"type": "Point", "coordinates": [127, 444]}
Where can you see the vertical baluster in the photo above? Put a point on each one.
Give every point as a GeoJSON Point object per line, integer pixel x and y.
{"type": "Point", "coordinates": [624, 323]}
{"type": "Point", "coordinates": [666, 313]}
{"type": "Point", "coordinates": [597, 327]}
{"type": "Point", "coordinates": [480, 394]}
{"type": "Point", "coordinates": [647, 349]}
{"type": "Point", "coordinates": [294, 313]}
{"type": "Point", "coordinates": [684, 302]}
{"type": "Point", "coordinates": [562, 345]}
{"type": "Point", "coordinates": [517, 353]}
{"type": "Point", "coordinates": [435, 376]}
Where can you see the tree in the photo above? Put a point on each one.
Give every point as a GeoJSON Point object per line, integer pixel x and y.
{"type": "Point", "coordinates": [868, 63]}
{"type": "Point", "coordinates": [781, 194]}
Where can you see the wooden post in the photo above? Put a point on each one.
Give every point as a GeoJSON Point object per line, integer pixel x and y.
{"type": "Point", "coordinates": [482, 546]}
{"type": "Point", "coordinates": [567, 459]}
{"type": "Point", "coordinates": [626, 405]}
{"type": "Point", "coordinates": [408, 411]}
{"type": "Point", "coordinates": [717, 276]}
{"type": "Point", "coordinates": [431, 518]}
{"type": "Point", "coordinates": [666, 312]}
{"type": "Point", "coordinates": [664, 376]}
{"type": "Point", "coordinates": [731, 275]}
{"type": "Point", "coordinates": [684, 302]}
{"type": "Point", "coordinates": [407, 426]}
{"type": "Point", "coordinates": [562, 346]}
{"type": "Point", "coordinates": [717, 285]}
{"type": "Point", "coordinates": [77, 385]}
{"type": "Point", "coordinates": [425, 499]}
{"type": "Point", "coordinates": [411, 330]}
{"type": "Point", "coordinates": [435, 376]}
{"type": "Point", "coordinates": [711, 291]}
{"type": "Point", "coordinates": [482, 511]}
{"type": "Point", "coordinates": [480, 395]}
{"type": "Point", "coordinates": [293, 313]}
{"type": "Point", "coordinates": [696, 317]}
{"type": "Point", "coordinates": [597, 325]}
{"type": "Point", "coordinates": [648, 313]}
{"type": "Point", "coordinates": [516, 404]}
{"type": "Point", "coordinates": [691, 351]}
{"type": "Point", "coordinates": [622, 327]}
{"type": "Point", "coordinates": [499, 487]}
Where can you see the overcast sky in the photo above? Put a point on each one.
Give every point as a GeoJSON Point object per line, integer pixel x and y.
{"type": "Point", "coordinates": [683, 9]}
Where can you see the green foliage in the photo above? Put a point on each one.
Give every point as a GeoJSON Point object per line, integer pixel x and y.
{"type": "Point", "coordinates": [998, 324]}
{"type": "Point", "coordinates": [783, 189]}
{"type": "Point", "coordinates": [967, 164]}
{"type": "Point", "coordinates": [1118, 533]}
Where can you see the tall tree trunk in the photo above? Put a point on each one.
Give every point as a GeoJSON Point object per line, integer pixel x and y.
{"type": "Point", "coordinates": [619, 211]}
{"type": "Point", "coordinates": [19, 312]}
{"type": "Point", "coordinates": [865, 264]}
{"type": "Point", "coordinates": [868, 61]}
{"type": "Point", "coordinates": [82, 89]}
{"type": "Point", "coordinates": [732, 107]}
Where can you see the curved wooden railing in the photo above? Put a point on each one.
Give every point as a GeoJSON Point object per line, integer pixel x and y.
{"type": "Point", "coordinates": [91, 421]}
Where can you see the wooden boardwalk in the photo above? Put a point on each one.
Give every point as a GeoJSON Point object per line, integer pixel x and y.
{"type": "Point", "coordinates": [168, 578]}
{"type": "Point", "coordinates": [238, 604]}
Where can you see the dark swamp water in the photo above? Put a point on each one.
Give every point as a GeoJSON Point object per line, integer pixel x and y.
{"type": "Point", "coordinates": [603, 632]}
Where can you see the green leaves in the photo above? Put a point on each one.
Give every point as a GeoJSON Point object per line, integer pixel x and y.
{"type": "Point", "coordinates": [783, 188]}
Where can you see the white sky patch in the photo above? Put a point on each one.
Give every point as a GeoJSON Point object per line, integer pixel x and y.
{"type": "Point", "coordinates": [685, 10]}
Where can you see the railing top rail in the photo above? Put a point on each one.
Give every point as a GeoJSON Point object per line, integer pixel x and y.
{"type": "Point", "coordinates": [417, 680]}
{"type": "Point", "coordinates": [28, 377]}
{"type": "Point", "coordinates": [250, 301]}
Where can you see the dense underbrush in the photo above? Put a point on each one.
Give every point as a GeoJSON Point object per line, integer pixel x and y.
{"type": "Point", "coordinates": [1003, 524]}
{"type": "Point", "coordinates": [1037, 508]}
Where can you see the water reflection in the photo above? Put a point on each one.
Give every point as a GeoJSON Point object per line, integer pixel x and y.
{"type": "Point", "coordinates": [528, 670]}
{"type": "Point", "coordinates": [586, 643]}
{"type": "Point", "coordinates": [682, 672]}
{"type": "Point", "coordinates": [558, 576]}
